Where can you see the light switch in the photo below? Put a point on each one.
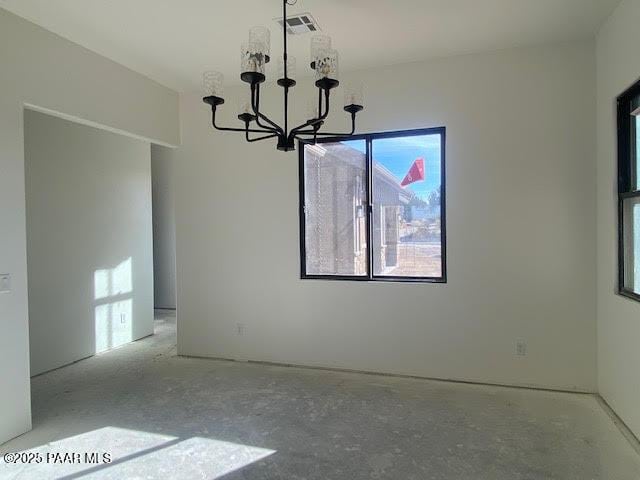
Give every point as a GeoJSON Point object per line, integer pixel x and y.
{"type": "Point", "coordinates": [5, 283]}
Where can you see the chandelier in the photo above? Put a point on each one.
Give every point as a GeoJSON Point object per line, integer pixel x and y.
{"type": "Point", "coordinates": [254, 55]}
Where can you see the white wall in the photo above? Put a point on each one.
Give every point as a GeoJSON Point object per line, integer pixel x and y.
{"type": "Point", "coordinates": [89, 240]}
{"type": "Point", "coordinates": [42, 69]}
{"type": "Point", "coordinates": [521, 231]}
{"type": "Point", "coordinates": [164, 228]}
{"type": "Point", "coordinates": [618, 317]}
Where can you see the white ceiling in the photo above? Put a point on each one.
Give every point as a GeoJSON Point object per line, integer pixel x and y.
{"type": "Point", "coordinates": [174, 41]}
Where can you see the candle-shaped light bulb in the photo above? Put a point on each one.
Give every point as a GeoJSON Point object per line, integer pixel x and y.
{"type": "Point", "coordinates": [252, 57]}
{"type": "Point", "coordinates": [261, 35]}
{"type": "Point", "coordinates": [327, 64]}
{"type": "Point", "coordinates": [245, 110]}
{"type": "Point", "coordinates": [244, 106]}
{"type": "Point", "coordinates": [319, 43]}
{"type": "Point", "coordinates": [213, 84]}
{"type": "Point", "coordinates": [353, 94]}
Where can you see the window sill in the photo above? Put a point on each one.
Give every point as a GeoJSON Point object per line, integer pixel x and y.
{"type": "Point", "coordinates": [629, 295]}
{"type": "Point", "coordinates": [343, 278]}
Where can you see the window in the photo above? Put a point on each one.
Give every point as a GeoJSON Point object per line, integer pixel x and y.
{"type": "Point", "coordinates": [629, 192]}
{"type": "Point", "coordinates": [372, 207]}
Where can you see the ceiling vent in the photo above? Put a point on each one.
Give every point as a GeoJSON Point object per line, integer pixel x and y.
{"type": "Point", "coordinates": [300, 24]}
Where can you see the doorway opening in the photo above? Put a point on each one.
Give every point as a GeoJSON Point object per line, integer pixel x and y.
{"type": "Point", "coordinates": [164, 239]}
{"type": "Point", "coordinates": [90, 228]}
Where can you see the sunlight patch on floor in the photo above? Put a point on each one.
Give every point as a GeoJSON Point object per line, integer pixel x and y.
{"type": "Point", "coordinates": [117, 453]}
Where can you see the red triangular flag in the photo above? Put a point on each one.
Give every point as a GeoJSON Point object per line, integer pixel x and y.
{"type": "Point", "coordinates": [415, 174]}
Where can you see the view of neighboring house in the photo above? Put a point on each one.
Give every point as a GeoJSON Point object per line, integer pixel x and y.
{"type": "Point", "coordinates": [405, 233]}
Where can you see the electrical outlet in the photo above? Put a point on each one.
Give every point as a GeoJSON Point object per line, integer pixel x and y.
{"type": "Point", "coordinates": [5, 283]}
{"type": "Point", "coordinates": [240, 328]}
{"type": "Point", "coordinates": [521, 348]}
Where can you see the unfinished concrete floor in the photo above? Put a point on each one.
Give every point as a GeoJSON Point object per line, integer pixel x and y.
{"type": "Point", "coordinates": [160, 416]}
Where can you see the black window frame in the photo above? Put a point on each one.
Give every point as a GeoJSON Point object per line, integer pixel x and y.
{"type": "Point", "coordinates": [626, 169]}
{"type": "Point", "coordinates": [369, 138]}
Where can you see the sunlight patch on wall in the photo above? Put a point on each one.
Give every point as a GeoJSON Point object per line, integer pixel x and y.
{"type": "Point", "coordinates": [113, 325]}
{"type": "Point", "coordinates": [114, 281]}
{"type": "Point", "coordinates": [114, 306]}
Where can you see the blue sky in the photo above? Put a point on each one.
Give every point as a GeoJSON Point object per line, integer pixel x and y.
{"type": "Point", "coordinates": [398, 154]}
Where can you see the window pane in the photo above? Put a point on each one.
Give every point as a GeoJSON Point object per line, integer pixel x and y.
{"type": "Point", "coordinates": [635, 145]}
{"type": "Point", "coordinates": [335, 208]}
{"type": "Point", "coordinates": [637, 129]}
{"type": "Point", "coordinates": [631, 244]}
{"type": "Point", "coordinates": [407, 214]}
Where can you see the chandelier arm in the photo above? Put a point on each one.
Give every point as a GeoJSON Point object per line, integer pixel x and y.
{"type": "Point", "coordinates": [255, 105]}
{"type": "Point", "coordinates": [321, 116]}
{"type": "Point", "coordinates": [230, 129]}
{"type": "Point", "coordinates": [326, 103]}
{"type": "Point", "coordinates": [327, 134]}
{"type": "Point", "coordinates": [256, 139]}
{"type": "Point", "coordinates": [315, 121]}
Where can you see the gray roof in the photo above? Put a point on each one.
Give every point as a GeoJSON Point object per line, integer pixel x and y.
{"type": "Point", "coordinates": [340, 152]}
